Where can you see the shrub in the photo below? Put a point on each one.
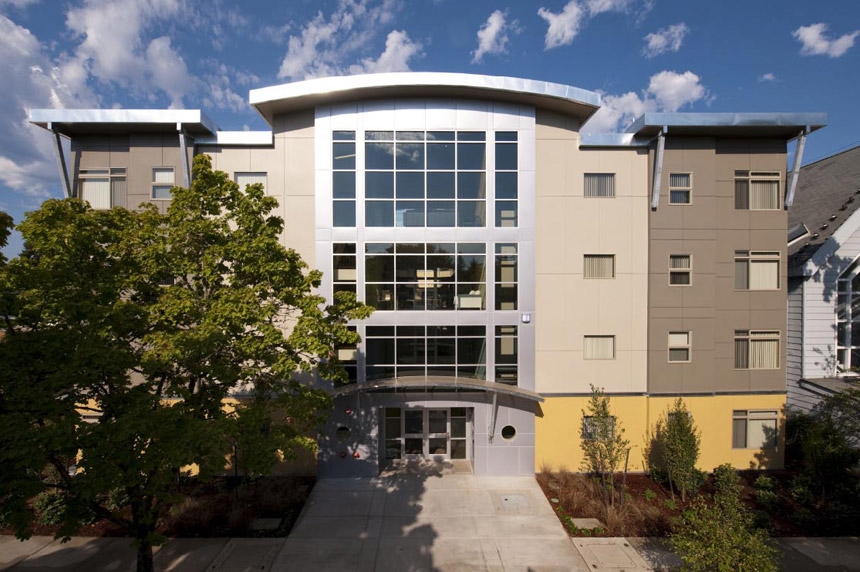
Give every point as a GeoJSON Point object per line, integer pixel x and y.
{"type": "Point", "coordinates": [673, 451]}
{"type": "Point", "coordinates": [670, 504]}
{"type": "Point", "coordinates": [603, 443]}
{"type": "Point", "coordinates": [764, 483]}
{"type": "Point", "coordinates": [650, 495]}
{"type": "Point", "coordinates": [767, 499]}
{"type": "Point", "coordinates": [716, 534]}
{"type": "Point", "coordinates": [50, 507]}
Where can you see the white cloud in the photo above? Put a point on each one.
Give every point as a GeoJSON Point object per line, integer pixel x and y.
{"type": "Point", "coordinates": [17, 3]}
{"type": "Point", "coordinates": [493, 37]}
{"type": "Point", "coordinates": [665, 40]}
{"type": "Point", "coordinates": [672, 91]}
{"type": "Point", "coordinates": [767, 77]}
{"type": "Point", "coordinates": [564, 26]}
{"type": "Point", "coordinates": [667, 91]}
{"type": "Point", "coordinates": [31, 80]}
{"type": "Point", "coordinates": [326, 44]}
{"type": "Point", "coordinates": [596, 7]}
{"type": "Point", "coordinates": [815, 42]}
{"type": "Point", "coordinates": [399, 49]}
{"type": "Point", "coordinates": [113, 49]}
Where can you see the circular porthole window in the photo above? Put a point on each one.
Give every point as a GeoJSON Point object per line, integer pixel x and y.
{"type": "Point", "coordinates": [509, 432]}
{"type": "Point", "coordinates": [343, 433]}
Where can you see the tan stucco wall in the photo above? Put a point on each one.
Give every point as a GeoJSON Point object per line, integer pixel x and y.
{"type": "Point", "coordinates": [289, 168]}
{"type": "Point", "coordinates": [569, 226]}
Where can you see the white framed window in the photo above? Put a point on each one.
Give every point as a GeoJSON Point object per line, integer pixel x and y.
{"type": "Point", "coordinates": [680, 270]}
{"type": "Point", "coordinates": [598, 347]}
{"type": "Point", "coordinates": [598, 266]}
{"type": "Point", "coordinates": [679, 347]}
{"type": "Point", "coordinates": [756, 270]}
{"type": "Point", "coordinates": [162, 183]}
{"type": "Point", "coordinates": [245, 179]}
{"type": "Point", "coordinates": [754, 429]}
{"type": "Point", "coordinates": [601, 185]}
{"type": "Point", "coordinates": [848, 321]}
{"type": "Point", "coordinates": [757, 190]}
{"type": "Point", "coordinates": [756, 349]}
{"type": "Point", "coordinates": [102, 188]}
{"type": "Point", "coordinates": [680, 188]}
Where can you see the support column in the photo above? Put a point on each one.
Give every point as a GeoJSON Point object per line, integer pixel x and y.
{"type": "Point", "coordinates": [61, 164]}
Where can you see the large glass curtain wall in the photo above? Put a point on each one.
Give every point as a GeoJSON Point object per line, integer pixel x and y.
{"type": "Point", "coordinates": [425, 179]}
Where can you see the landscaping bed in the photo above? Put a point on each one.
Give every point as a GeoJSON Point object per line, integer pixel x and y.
{"type": "Point", "coordinates": [225, 507]}
{"type": "Point", "coordinates": [783, 503]}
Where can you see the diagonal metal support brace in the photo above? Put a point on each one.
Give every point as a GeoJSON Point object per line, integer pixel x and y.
{"type": "Point", "coordinates": [183, 150]}
{"type": "Point", "coordinates": [61, 164]}
{"type": "Point", "coordinates": [795, 171]}
{"type": "Point", "coordinates": [658, 170]}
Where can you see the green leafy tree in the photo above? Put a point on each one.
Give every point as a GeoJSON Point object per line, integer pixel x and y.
{"type": "Point", "coordinates": [673, 450]}
{"type": "Point", "coordinates": [181, 335]}
{"type": "Point", "coordinates": [717, 535]}
{"type": "Point", "coordinates": [603, 443]}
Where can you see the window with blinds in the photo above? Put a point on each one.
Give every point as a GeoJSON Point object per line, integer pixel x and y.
{"type": "Point", "coordinates": [679, 347]}
{"type": "Point", "coordinates": [756, 349]}
{"type": "Point", "coordinates": [162, 183]}
{"type": "Point", "coordinates": [599, 347]}
{"type": "Point", "coordinates": [756, 270]}
{"type": "Point", "coordinates": [680, 188]}
{"type": "Point", "coordinates": [757, 190]}
{"type": "Point", "coordinates": [599, 185]}
{"type": "Point", "coordinates": [102, 188]}
{"type": "Point", "coordinates": [245, 179]}
{"type": "Point", "coordinates": [680, 269]}
{"type": "Point", "coordinates": [754, 429]}
{"type": "Point", "coordinates": [598, 266]}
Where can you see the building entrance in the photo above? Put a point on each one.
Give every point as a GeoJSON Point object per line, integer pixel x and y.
{"type": "Point", "coordinates": [434, 434]}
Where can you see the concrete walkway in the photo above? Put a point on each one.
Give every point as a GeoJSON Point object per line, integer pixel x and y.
{"type": "Point", "coordinates": [428, 517]}
{"type": "Point", "coordinates": [419, 518]}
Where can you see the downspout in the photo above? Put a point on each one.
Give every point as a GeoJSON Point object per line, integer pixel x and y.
{"type": "Point", "coordinates": [61, 163]}
{"type": "Point", "coordinates": [798, 157]}
{"type": "Point", "coordinates": [183, 150]}
{"type": "Point", "coordinates": [658, 169]}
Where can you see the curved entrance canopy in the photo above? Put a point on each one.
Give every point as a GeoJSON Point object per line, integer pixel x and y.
{"type": "Point", "coordinates": [432, 382]}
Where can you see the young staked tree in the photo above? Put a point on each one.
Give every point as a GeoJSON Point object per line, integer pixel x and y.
{"type": "Point", "coordinates": [674, 450]}
{"type": "Point", "coordinates": [716, 534]}
{"type": "Point", "coordinates": [603, 443]}
{"type": "Point", "coordinates": [181, 334]}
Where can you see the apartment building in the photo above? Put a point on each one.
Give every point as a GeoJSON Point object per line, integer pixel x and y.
{"type": "Point", "coordinates": [513, 262]}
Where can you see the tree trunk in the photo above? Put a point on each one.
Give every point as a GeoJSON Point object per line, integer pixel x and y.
{"type": "Point", "coordinates": [144, 556]}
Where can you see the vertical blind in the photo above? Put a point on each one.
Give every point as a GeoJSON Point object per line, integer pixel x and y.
{"type": "Point", "coordinates": [764, 275]}
{"type": "Point", "coordinates": [757, 350]}
{"type": "Point", "coordinates": [599, 185]}
{"type": "Point", "coordinates": [599, 347]}
{"type": "Point", "coordinates": [163, 176]}
{"type": "Point", "coordinates": [97, 192]}
{"type": "Point", "coordinates": [764, 195]}
{"type": "Point", "coordinates": [599, 266]}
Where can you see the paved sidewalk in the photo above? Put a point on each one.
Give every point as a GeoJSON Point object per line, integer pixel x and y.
{"type": "Point", "coordinates": [427, 518]}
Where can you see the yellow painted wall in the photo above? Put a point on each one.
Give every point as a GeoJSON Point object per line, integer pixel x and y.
{"type": "Point", "coordinates": [557, 428]}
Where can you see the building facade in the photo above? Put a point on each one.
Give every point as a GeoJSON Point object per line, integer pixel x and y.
{"type": "Point", "coordinates": [513, 263]}
{"type": "Point", "coordinates": [823, 283]}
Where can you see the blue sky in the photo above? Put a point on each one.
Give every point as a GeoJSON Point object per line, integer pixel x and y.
{"type": "Point", "coordinates": [641, 55]}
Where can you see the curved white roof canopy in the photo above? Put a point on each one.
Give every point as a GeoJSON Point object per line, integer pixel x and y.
{"type": "Point", "coordinates": [274, 100]}
{"type": "Point", "coordinates": [438, 382]}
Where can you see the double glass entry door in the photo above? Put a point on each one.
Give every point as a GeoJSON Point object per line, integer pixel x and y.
{"type": "Point", "coordinates": [438, 434]}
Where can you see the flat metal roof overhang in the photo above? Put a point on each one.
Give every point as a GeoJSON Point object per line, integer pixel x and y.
{"type": "Point", "coordinates": [432, 382]}
{"type": "Point", "coordinates": [776, 125]}
{"type": "Point", "coordinates": [72, 122]}
{"type": "Point", "coordinates": [284, 98]}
